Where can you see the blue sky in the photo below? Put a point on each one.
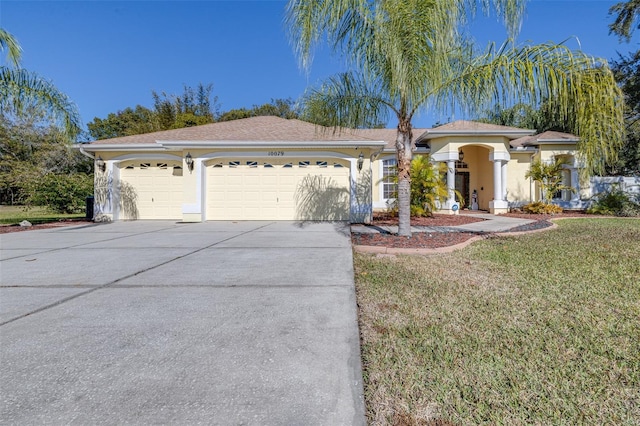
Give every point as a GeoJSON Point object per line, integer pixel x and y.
{"type": "Point", "coordinates": [108, 55]}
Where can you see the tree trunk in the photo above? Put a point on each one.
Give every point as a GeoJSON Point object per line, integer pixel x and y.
{"type": "Point", "coordinates": [404, 153]}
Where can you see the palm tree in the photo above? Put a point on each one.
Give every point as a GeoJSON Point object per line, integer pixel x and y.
{"type": "Point", "coordinates": [408, 55]}
{"type": "Point", "coordinates": [23, 91]}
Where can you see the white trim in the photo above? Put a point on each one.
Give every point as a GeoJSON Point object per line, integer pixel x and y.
{"type": "Point", "coordinates": [222, 144]}
{"type": "Point", "coordinates": [123, 147]}
{"type": "Point", "coordinates": [196, 207]}
{"type": "Point", "coordinates": [382, 202]}
{"type": "Point", "coordinates": [499, 156]}
{"type": "Point", "coordinates": [444, 156]}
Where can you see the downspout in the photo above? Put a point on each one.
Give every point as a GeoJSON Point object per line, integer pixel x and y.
{"type": "Point", "coordinates": [85, 153]}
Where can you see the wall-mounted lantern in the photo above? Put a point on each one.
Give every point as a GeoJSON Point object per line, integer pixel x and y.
{"type": "Point", "coordinates": [100, 164]}
{"type": "Point", "coordinates": [460, 155]}
{"type": "Point", "coordinates": [360, 161]}
{"type": "Point", "coordinates": [189, 160]}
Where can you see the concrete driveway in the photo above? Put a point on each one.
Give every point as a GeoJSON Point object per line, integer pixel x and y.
{"type": "Point", "coordinates": [158, 322]}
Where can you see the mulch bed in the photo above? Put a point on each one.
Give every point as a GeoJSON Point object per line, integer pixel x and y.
{"type": "Point", "coordinates": [445, 239]}
{"type": "Point", "coordinates": [5, 229]}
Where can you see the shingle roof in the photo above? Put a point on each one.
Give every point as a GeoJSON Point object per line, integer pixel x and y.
{"type": "Point", "coordinates": [466, 125]}
{"type": "Point", "coordinates": [545, 137]}
{"type": "Point", "coordinates": [387, 135]}
{"type": "Point", "coordinates": [264, 128]}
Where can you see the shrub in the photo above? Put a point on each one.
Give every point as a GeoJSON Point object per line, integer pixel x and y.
{"type": "Point", "coordinates": [60, 193]}
{"type": "Point", "coordinates": [541, 208]}
{"type": "Point", "coordinates": [614, 202]}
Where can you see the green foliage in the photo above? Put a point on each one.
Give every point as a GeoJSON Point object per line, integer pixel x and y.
{"type": "Point", "coordinates": [626, 16]}
{"type": "Point", "coordinates": [615, 202]}
{"type": "Point", "coordinates": [29, 149]}
{"type": "Point", "coordinates": [547, 117]}
{"type": "Point", "coordinates": [23, 92]}
{"type": "Point", "coordinates": [540, 207]}
{"type": "Point", "coordinates": [627, 72]}
{"type": "Point", "coordinates": [428, 187]}
{"type": "Point", "coordinates": [191, 108]}
{"type": "Point", "coordinates": [283, 108]}
{"type": "Point", "coordinates": [549, 177]}
{"type": "Point", "coordinates": [59, 192]}
{"type": "Point", "coordinates": [124, 123]}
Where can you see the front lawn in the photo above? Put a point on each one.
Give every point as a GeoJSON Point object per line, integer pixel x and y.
{"type": "Point", "coordinates": [535, 329]}
{"type": "Point", "coordinates": [10, 215]}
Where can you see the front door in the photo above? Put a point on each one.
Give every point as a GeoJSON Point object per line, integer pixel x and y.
{"type": "Point", "coordinates": [462, 186]}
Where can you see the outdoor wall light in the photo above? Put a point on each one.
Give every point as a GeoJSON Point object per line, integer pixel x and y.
{"type": "Point", "coordinates": [360, 161]}
{"type": "Point", "coordinates": [189, 160]}
{"type": "Point", "coordinates": [100, 164]}
{"type": "Point", "coordinates": [460, 155]}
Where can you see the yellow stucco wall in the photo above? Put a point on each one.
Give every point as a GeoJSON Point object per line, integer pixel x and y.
{"type": "Point", "coordinates": [519, 188]}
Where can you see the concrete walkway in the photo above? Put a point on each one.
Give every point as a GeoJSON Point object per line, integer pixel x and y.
{"type": "Point", "coordinates": [491, 223]}
{"type": "Point", "coordinates": [217, 323]}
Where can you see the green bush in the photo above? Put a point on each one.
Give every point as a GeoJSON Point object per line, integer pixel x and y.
{"type": "Point", "coordinates": [614, 202]}
{"type": "Point", "coordinates": [60, 193]}
{"type": "Point", "coordinates": [541, 208]}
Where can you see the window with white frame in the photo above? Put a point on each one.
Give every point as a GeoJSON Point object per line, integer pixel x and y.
{"type": "Point", "coordinates": [389, 181]}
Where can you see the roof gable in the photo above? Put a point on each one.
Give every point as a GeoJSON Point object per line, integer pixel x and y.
{"type": "Point", "coordinates": [548, 137]}
{"type": "Point", "coordinates": [263, 128]}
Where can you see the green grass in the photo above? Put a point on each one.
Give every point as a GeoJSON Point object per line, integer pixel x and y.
{"type": "Point", "coordinates": [536, 329]}
{"type": "Point", "coordinates": [10, 215]}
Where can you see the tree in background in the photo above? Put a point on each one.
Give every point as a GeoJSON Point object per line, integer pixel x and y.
{"type": "Point", "coordinates": [627, 73]}
{"type": "Point", "coordinates": [31, 150]}
{"type": "Point", "coordinates": [192, 108]}
{"type": "Point", "coordinates": [37, 125]}
{"type": "Point", "coordinates": [283, 108]}
{"type": "Point", "coordinates": [626, 15]}
{"type": "Point", "coordinates": [195, 106]}
{"type": "Point", "coordinates": [406, 56]}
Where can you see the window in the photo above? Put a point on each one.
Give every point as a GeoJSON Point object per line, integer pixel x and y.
{"type": "Point", "coordinates": [234, 164]}
{"type": "Point", "coordinates": [162, 166]}
{"type": "Point", "coordinates": [303, 164]}
{"type": "Point", "coordinates": [268, 166]}
{"type": "Point", "coordinates": [389, 185]}
{"type": "Point", "coordinates": [461, 165]}
{"type": "Point", "coordinates": [322, 164]}
{"type": "Point", "coordinates": [252, 164]}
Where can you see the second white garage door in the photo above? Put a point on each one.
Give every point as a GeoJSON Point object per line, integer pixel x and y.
{"type": "Point", "coordinates": [279, 189]}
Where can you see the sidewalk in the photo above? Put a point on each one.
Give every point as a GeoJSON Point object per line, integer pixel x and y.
{"type": "Point", "coordinates": [490, 224]}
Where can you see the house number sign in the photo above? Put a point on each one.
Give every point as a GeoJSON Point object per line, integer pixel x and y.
{"type": "Point", "coordinates": [275, 153]}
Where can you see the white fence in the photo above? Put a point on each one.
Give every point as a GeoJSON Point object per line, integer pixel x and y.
{"type": "Point", "coordinates": [630, 185]}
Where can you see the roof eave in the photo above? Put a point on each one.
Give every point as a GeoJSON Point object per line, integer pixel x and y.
{"type": "Point", "coordinates": [271, 144]}
{"type": "Point", "coordinates": [122, 147]}
{"type": "Point", "coordinates": [513, 134]}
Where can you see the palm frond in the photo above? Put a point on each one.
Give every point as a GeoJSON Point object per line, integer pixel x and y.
{"type": "Point", "coordinates": [14, 51]}
{"type": "Point", "coordinates": [21, 90]}
{"type": "Point", "coordinates": [346, 101]}
{"type": "Point", "coordinates": [581, 87]}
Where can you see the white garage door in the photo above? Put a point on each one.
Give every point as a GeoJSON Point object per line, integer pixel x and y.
{"type": "Point", "coordinates": [157, 186]}
{"type": "Point", "coordinates": [278, 189]}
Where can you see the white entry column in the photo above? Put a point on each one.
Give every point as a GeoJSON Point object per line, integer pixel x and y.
{"type": "Point", "coordinates": [499, 204]}
{"type": "Point", "coordinates": [450, 159]}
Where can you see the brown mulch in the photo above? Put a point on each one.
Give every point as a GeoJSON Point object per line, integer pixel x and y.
{"type": "Point", "coordinates": [5, 229]}
{"type": "Point", "coordinates": [445, 239]}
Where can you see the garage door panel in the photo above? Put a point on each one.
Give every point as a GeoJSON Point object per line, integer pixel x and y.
{"type": "Point", "coordinates": [284, 190]}
{"type": "Point", "coordinates": [158, 190]}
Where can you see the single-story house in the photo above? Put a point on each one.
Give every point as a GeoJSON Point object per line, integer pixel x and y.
{"type": "Point", "coordinates": [270, 168]}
